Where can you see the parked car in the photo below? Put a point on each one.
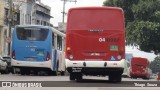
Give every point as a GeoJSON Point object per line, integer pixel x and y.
{"type": "Point", "coordinates": [7, 59]}
{"type": "Point", "coordinates": [3, 66]}
{"type": "Point", "coordinates": [154, 76]}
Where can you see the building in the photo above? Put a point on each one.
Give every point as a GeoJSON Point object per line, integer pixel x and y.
{"type": "Point", "coordinates": [9, 16]}
{"type": "Point", "coordinates": [34, 12]}
{"type": "Point", "coordinates": [15, 12]}
{"type": "Point", "coordinates": [41, 14]}
{"type": "Point", "coordinates": [1, 24]}
{"type": "Point", "coordinates": [4, 22]}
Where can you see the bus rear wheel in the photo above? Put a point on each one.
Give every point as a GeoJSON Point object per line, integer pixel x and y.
{"type": "Point", "coordinates": [115, 78]}
{"type": "Point", "coordinates": [77, 76]}
{"type": "Point", "coordinates": [72, 76]}
{"type": "Point", "coordinates": [24, 71]}
{"type": "Point", "coordinates": [62, 73]}
{"type": "Point", "coordinates": [52, 73]}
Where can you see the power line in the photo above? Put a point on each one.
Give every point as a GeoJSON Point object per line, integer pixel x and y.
{"type": "Point", "coordinates": [64, 3]}
{"type": "Point", "coordinates": [10, 24]}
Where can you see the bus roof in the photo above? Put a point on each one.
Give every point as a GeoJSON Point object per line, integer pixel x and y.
{"type": "Point", "coordinates": [96, 7]}
{"type": "Point", "coordinates": [104, 18]}
{"type": "Point", "coordinates": [32, 26]}
{"type": "Point", "coordinates": [139, 60]}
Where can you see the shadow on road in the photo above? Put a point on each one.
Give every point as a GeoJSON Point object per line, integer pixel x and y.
{"type": "Point", "coordinates": [96, 81]}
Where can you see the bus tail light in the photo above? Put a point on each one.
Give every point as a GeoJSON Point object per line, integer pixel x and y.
{"type": "Point", "coordinates": [119, 57]}
{"type": "Point", "coordinates": [48, 56]}
{"type": "Point", "coordinates": [13, 54]}
{"type": "Point", "coordinates": [68, 48]}
{"type": "Point", "coordinates": [69, 54]}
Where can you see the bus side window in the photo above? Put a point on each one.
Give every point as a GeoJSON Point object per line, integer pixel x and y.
{"type": "Point", "coordinates": [53, 45]}
{"type": "Point", "coordinates": [59, 42]}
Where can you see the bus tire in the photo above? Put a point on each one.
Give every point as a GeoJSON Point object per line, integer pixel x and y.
{"type": "Point", "coordinates": [2, 72]}
{"type": "Point", "coordinates": [115, 78]}
{"type": "Point", "coordinates": [6, 71]}
{"type": "Point", "coordinates": [35, 72]}
{"type": "Point", "coordinates": [79, 76]}
{"type": "Point", "coordinates": [27, 72]}
{"type": "Point", "coordinates": [72, 76]}
{"type": "Point", "coordinates": [62, 73]}
{"type": "Point", "coordinates": [111, 78]}
{"type": "Point", "coordinates": [52, 73]}
{"type": "Point", "coordinates": [119, 78]}
{"type": "Point", "coordinates": [12, 70]}
{"type": "Point", "coordinates": [22, 72]}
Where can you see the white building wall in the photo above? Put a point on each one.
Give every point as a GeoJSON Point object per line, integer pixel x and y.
{"type": "Point", "coordinates": [25, 13]}
{"type": "Point", "coordinates": [28, 13]}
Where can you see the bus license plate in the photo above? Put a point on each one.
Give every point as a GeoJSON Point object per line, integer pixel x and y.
{"type": "Point", "coordinates": [30, 58]}
{"type": "Point", "coordinates": [76, 69]}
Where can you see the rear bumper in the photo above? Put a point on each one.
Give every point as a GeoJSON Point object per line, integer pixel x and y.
{"type": "Point", "coordinates": [18, 63]}
{"type": "Point", "coordinates": [96, 67]}
{"type": "Point", "coordinates": [138, 74]}
{"type": "Point", "coordinates": [98, 64]}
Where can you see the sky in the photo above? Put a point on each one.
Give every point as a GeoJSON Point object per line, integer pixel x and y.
{"type": "Point", "coordinates": [138, 53]}
{"type": "Point", "coordinates": [57, 7]}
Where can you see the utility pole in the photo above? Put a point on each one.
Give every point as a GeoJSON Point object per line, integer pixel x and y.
{"type": "Point", "coordinates": [10, 25]}
{"type": "Point", "coordinates": [64, 3]}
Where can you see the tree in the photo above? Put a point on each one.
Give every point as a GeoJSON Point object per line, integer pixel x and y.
{"type": "Point", "coordinates": [142, 18]}
{"type": "Point", "coordinates": [126, 5]}
{"type": "Point", "coordinates": [155, 65]}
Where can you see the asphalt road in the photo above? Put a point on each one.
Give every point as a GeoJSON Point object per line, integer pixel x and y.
{"type": "Point", "coordinates": [31, 82]}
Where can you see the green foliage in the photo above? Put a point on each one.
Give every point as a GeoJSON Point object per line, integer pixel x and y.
{"type": "Point", "coordinates": [155, 65]}
{"type": "Point", "coordinates": [144, 9]}
{"type": "Point", "coordinates": [142, 18]}
{"type": "Point", "coordinates": [126, 5]}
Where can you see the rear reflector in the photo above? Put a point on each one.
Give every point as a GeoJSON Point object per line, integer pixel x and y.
{"type": "Point", "coordinates": [13, 54]}
{"type": "Point", "coordinates": [47, 56]}
{"type": "Point", "coordinates": [71, 56]}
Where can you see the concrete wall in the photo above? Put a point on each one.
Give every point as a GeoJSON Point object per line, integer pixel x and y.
{"type": "Point", "coordinates": [1, 40]}
{"type": "Point", "coordinates": [2, 12]}
{"type": "Point", "coordinates": [1, 23]}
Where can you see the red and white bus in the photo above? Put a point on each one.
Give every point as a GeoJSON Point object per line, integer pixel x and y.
{"type": "Point", "coordinates": [140, 68]}
{"type": "Point", "coordinates": [95, 42]}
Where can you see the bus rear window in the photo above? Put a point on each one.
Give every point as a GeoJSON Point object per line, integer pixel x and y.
{"type": "Point", "coordinates": [96, 19]}
{"type": "Point", "coordinates": [138, 65]}
{"type": "Point", "coordinates": [32, 34]}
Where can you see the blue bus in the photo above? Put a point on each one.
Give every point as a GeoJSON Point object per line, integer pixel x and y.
{"type": "Point", "coordinates": [37, 48]}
